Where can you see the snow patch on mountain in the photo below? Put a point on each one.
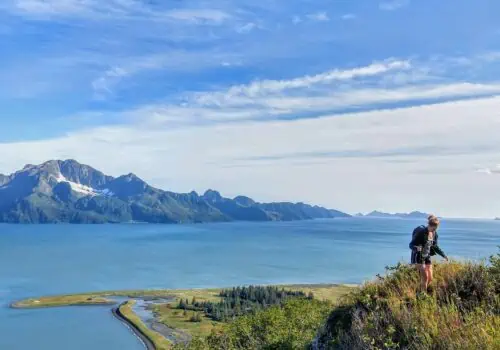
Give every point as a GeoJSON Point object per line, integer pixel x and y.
{"type": "Point", "coordinates": [85, 190]}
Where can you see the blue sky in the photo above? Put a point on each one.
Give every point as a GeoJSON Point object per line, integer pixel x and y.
{"type": "Point", "coordinates": [281, 100]}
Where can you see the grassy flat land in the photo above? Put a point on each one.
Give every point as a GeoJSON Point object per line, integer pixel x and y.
{"type": "Point", "coordinates": [63, 300]}
{"type": "Point", "coordinates": [329, 292]}
{"type": "Point", "coordinates": [176, 319]}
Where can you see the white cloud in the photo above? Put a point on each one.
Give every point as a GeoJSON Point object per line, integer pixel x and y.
{"type": "Point", "coordinates": [111, 9]}
{"type": "Point", "coordinates": [490, 171]}
{"type": "Point", "coordinates": [435, 171]}
{"type": "Point", "coordinates": [319, 17]}
{"type": "Point", "coordinates": [92, 9]}
{"type": "Point", "coordinates": [310, 95]}
{"type": "Point", "coordinates": [175, 60]}
{"type": "Point", "coordinates": [271, 86]}
{"type": "Point", "coordinates": [246, 28]}
{"type": "Point", "coordinates": [393, 5]}
{"type": "Point", "coordinates": [348, 16]}
{"type": "Point", "coordinates": [199, 15]}
{"type": "Point", "coordinates": [102, 85]}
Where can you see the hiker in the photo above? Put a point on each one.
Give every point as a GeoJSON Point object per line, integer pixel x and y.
{"type": "Point", "coordinates": [423, 245]}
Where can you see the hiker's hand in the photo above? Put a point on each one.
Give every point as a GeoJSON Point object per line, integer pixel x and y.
{"type": "Point", "coordinates": [447, 260]}
{"type": "Point", "coordinates": [419, 249]}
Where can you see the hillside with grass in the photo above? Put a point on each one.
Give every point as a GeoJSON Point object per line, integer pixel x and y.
{"type": "Point", "coordinates": [462, 311]}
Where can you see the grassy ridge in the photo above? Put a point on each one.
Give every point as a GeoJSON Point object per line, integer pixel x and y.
{"type": "Point", "coordinates": [462, 311]}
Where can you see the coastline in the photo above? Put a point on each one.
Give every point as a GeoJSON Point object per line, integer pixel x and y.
{"type": "Point", "coordinates": [145, 340]}
{"type": "Point", "coordinates": [153, 338]}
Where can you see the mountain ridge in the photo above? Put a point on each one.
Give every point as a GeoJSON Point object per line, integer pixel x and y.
{"type": "Point", "coordinates": [411, 215]}
{"type": "Point", "coordinates": [66, 191]}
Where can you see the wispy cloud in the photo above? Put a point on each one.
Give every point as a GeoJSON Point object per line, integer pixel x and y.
{"type": "Point", "coordinates": [393, 5]}
{"type": "Point", "coordinates": [111, 10]}
{"type": "Point", "coordinates": [331, 92]}
{"type": "Point", "coordinates": [92, 9]}
{"type": "Point", "coordinates": [199, 15]}
{"type": "Point", "coordinates": [263, 87]}
{"type": "Point", "coordinates": [246, 28]}
{"type": "Point", "coordinates": [318, 16]}
{"type": "Point", "coordinates": [348, 16]}
{"type": "Point", "coordinates": [490, 171]}
{"type": "Point", "coordinates": [179, 61]}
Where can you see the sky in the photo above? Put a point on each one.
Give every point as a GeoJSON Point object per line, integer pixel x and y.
{"type": "Point", "coordinates": [355, 105]}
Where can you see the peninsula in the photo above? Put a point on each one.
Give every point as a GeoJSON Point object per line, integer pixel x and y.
{"type": "Point", "coordinates": [178, 316]}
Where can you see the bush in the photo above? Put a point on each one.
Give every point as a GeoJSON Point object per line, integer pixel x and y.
{"type": "Point", "coordinates": [291, 326]}
{"type": "Point", "coordinates": [462, 312]}
{"type": "Point", "coordinates": [196, 317]}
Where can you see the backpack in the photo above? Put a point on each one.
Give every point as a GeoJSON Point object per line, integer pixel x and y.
{"type": "Point", "coordinates": [418, 230]}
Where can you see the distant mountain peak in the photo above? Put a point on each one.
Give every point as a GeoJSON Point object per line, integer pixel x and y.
{"type": "Point", "coordinates": [212, 195]}
{"type": "Point", "coordinates": [411, 215]}
{"type": "Point", "coordinates": [68, 191]}
{"type": "Point", "coordinates": [28, 166]}
{"type": "Point", "coordinates": [244, 201]}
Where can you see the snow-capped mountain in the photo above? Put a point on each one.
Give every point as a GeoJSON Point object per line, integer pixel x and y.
{"type": "Point", "coordinates": [67, 191]}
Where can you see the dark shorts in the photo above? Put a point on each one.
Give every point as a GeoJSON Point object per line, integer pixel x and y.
{"type": "Point", "coordinates": [417, 258]}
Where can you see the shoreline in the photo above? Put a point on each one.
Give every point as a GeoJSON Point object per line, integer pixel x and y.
{"type": "Point", "coordinates": [155, 339]}
{"type": "Point", "coordinates": [145, 340]}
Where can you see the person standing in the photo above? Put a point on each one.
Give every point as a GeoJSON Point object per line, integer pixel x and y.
{"type": "Point", "coordinates": [424, 245]}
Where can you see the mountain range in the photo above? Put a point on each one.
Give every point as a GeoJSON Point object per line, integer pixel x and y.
{"type": "Point", "coordinates": [69, 192]}
{"type": "Point", "coordinates": [412, 215]}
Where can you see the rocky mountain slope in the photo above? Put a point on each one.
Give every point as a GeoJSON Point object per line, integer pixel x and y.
{"type": "Point", "coordinates": [67, 191]}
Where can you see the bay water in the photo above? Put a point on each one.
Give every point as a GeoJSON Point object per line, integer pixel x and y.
{"type": "Point", "coordinates": [40, 260]}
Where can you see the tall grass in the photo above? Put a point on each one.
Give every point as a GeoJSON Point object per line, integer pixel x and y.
{"type": "Point", "coordinates": [461, 312]}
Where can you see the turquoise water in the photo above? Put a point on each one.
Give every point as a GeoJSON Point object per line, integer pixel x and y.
{"type": "Point", "coordinates": [40, 260]}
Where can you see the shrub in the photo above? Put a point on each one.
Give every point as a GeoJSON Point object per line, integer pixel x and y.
{"type": "Point", "coordinates": [462, 312]}
{"type": "Point", "coordinates": [291, 326]}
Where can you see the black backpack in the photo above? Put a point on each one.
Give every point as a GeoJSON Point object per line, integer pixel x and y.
{"type": "Point", "coordinates": [418, 230]}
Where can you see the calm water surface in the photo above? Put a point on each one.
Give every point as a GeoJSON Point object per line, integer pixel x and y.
{"type": "Point", "coordinates": [40, 260]}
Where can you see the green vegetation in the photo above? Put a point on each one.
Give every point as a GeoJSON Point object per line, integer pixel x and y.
{"type": "Point", "coordinates": [321, 291]}
{"type": "Point", "coordinates": [101, 298]}
{"type": "Point", "coordinates": [160, 342]}
{"type": "Point", "coordinates": [461, 312]}
{"type": "Point", "coordinates": [240, 301]}
{"type": "Point", "coordinates": [292, 325]}
{"type": "Point", "coordinates": [64, 300]}
{"type": "Point", "coordinates": [181, 320]}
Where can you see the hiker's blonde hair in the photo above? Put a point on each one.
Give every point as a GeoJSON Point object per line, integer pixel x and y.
{"type": "Point", "coordinates": [433, 220]}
